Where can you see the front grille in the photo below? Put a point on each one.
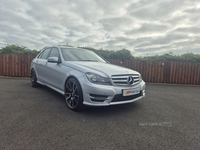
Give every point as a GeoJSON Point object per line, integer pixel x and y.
{"type": "Point", "coordinates": [120, 97]}
{"type": "Point", "coordinates": [123, 80]}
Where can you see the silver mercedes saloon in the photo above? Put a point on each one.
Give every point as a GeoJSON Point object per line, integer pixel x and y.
{"type": "Point", "coordinates": [85, 78]}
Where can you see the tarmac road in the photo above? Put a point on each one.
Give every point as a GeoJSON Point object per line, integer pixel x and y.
{"type": "Point", "coordinates": [38, 118]}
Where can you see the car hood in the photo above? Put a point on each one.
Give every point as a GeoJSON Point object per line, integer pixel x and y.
{"type": "Point", "coordinates": [104, 69]}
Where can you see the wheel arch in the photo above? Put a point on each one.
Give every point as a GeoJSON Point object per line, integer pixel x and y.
{"type": "Point", "coordinates": [72, 76]}
{"type": "Point", "coordinates": [33, 68]}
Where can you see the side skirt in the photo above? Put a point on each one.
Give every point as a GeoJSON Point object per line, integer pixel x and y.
{"type": "Point", "coordinates": [53, 88]}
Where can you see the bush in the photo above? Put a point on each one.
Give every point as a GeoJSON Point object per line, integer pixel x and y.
{"type": "Point", "coordinates": [16, 49]}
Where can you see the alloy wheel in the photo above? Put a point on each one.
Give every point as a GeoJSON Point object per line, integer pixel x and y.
{"type": "Point", "coordinates": [33, 80]}
{"type": "Point", "coordinates": [72, 94]}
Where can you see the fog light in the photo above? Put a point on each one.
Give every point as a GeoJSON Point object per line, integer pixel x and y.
{"type": "Point", "coordinates": [143, 93]}
{"type": "Point", "coordinates": [98, 98]}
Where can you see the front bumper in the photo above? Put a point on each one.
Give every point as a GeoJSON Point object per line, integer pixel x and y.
{"type": "Point", "coordinates": [105, 95]}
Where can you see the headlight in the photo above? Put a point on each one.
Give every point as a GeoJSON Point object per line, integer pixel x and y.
{"type": "Point", "coordinates": [95, 78]}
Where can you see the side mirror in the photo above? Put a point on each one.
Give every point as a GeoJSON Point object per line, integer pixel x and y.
{"type": "Point", "coordinates": [53, 60]}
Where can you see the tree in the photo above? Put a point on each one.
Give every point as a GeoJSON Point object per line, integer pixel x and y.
{"type": "Point", "coordinates": [123, 54]}
{"type": "Point", "coordinates": [16, 49]}
{"type": "Point", "coordinates": [189, 57]}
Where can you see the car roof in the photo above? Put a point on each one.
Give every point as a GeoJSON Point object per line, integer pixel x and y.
{"type": "Point", "coordinates": [64, 47]}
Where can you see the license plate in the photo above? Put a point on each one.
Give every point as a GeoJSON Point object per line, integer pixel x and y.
{"type": "Point", "coordinates": [130, 92]}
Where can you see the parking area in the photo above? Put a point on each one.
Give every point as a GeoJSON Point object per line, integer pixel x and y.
{"type": "Point", "coordinates": [38, 118]}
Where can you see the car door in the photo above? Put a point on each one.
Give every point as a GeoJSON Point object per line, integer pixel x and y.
{"type": "Point", "coordinates": [54, 69]}
{"type": "Point", "coordinates": [41, 66]}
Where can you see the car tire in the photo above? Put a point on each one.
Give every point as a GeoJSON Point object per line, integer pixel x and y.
{"type": "Point", "coordinates": [73, 95]}
{"type": "Point", "coordinates": [33, 80]}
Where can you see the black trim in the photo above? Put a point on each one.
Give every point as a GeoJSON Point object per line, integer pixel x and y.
{"type": "Point", "coordinates": [95, 100]}
{"type": "Point", "coordinates": [120, 97]}
{"type": "Point", "coordinates": [98, 98]}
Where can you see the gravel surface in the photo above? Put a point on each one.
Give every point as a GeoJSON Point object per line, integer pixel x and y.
{"type": "Point", "coordinates": [38, 118]}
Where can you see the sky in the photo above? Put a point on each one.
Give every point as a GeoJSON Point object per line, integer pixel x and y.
{"type": "Point", "coordinates": [145, 27]}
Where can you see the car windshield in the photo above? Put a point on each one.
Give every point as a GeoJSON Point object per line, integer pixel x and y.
{"type": "Point", "coordinates": [75, 54]}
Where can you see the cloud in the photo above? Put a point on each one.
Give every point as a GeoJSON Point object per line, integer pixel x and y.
{"type": "Point", "coordinates": [142, 26]}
